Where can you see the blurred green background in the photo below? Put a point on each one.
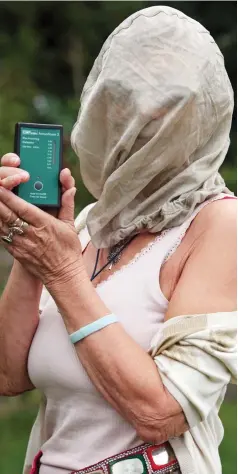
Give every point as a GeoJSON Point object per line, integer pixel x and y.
{"type": "Point", "coordinates": [46, 52]}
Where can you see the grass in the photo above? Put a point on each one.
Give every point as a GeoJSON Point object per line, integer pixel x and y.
{"type": "Point", "coordinates": [14, 433]}
{"type": "Point", "coordinates": [15, 428]}
{"type": "Point", "coordinates": [228, 448]}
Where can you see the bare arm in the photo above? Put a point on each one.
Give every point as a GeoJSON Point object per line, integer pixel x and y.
{"type": "Point", "coordinates": [19, 316]}
{"type": "Point", "coordinates": [19, 304]}
{"type": "Point", "coordinates": [121, 370]}
{"type": "Point", "coordinates": [208, 281]}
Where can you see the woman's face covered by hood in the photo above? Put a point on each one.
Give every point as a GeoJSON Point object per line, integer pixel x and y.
{"type": "Point", "coordinates": [153, 127]}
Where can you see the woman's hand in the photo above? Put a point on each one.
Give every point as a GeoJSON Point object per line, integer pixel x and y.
{"type": "Point", "coordinates": [49, 248]}
{"type": "Point", "coordinates": [10, 174]}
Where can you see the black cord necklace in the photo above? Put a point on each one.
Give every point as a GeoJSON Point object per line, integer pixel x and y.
{"type": "Point", "coordinates": [112, 258]}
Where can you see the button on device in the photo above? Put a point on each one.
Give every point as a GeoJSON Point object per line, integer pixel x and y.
{"type": "Point", "coordinates": [38, 185]}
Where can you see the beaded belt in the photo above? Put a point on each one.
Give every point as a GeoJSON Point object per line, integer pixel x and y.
{"type": "Point", "coordinates": [145, 459]}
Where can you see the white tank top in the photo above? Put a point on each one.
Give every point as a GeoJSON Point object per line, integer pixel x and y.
{"type": "Point", "coordinates": [80, 427]}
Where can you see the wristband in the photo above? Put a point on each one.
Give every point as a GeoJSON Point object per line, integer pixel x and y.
{"type": "Point", "coordinates": [93, 327]}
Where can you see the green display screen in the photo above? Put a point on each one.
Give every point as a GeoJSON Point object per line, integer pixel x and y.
{"type": "Point", "coordinates": [40, 150]}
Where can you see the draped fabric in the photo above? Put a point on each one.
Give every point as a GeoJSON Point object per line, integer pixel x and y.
{"type": "Point", "coordinates": [153, 126]}
{"type": "Point", "coordinates": [196, 356]}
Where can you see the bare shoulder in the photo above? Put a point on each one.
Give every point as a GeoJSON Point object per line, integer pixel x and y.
{"type": "Point", "coordinates": [215, 226]}
{"type": "Point", "coordinates": [218, 215]}
{"type": "Point", "coordinates": [208, 280]}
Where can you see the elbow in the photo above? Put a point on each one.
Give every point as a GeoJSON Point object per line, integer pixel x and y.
{"type": "Point", "coordinates": [152, 431]}
{"type": "Point", "coordinates": [150, 426]}
{"type": "Point", "coordinates": [153, 427]}
{"type": "Point", "coordinates": [148, 435]}
{"type": "Point", "coordinates": [10, 389]}
{"type": "Point", "coordinates": [6, 385]}
{"type": "Point", "coordinates": [5, 389]}
{"type": "Point", "coordinates": [8, 393]}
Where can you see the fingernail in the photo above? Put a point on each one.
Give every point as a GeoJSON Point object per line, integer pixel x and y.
{"type": "Point", "coordinates": [24, 174]}
{"type": "Point", "coordinates": [15, 161]}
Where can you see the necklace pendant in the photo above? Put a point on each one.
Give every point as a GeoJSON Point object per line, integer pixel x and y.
{"type": "Point", "coordinates": [110, 266]}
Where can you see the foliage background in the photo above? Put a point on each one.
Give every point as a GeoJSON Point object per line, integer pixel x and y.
{"type": "Point", "coordinates": [46, 51]}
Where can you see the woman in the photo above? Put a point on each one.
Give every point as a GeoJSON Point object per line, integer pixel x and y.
{"type": "Point", "coordinates": [135, 342]}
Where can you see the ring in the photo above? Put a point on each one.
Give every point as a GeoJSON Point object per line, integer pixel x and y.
{"type": "Point", "coordinates": [7, 238]}
{"type": "Point", "coordinates": [18, 227]}
{"type": "Point", "coordinates": [15, 226]}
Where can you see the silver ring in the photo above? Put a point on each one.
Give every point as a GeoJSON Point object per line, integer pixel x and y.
{"type": "Point", "coordinates": [7, 238]}
{"type": "Point", "coordinates": [18, 227]}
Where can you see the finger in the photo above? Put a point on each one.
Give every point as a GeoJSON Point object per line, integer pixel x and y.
{"type": "Point", "coordinates": [10, 159]}
{"type": "Point", "coordinates": [7, 216]}
{"type": "Point", "coordinates": [4, 229]}
{"type": "Point", "coordinates": [66, 213]}
{"type": "Point", "coordinates": [26, 211]}
{"type": "Point", "coordinates": [12, 181]}
{"type": "Point", "coordinates": [6, 171]}
{"type": "Point", "coordinates": [67, 179]}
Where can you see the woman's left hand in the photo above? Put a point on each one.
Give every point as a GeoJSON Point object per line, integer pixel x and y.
{"type": "Point", "coordinates": [49, 248]}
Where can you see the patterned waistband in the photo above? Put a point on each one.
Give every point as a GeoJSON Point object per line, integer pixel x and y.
{"type": "Point", "coordinates": [145, 459]}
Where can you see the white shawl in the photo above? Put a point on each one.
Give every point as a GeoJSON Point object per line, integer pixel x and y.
{"type": "Point", "coordinates": [196, 356]}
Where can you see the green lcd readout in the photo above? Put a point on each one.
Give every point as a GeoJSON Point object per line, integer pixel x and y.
{"type": "Point", "coordinates": [40, 150]}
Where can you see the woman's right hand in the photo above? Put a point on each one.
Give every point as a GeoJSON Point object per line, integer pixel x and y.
{"type": "Point", "coordinates": [10, 173]}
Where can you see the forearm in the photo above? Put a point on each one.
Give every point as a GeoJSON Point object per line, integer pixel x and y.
{"type": "Point", "coordinates": [19, 305]}
{"type": "Point", "coordinates": [121, 370]}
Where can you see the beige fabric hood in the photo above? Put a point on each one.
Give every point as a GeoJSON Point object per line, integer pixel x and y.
{"type": "Point", "coordinates": [154, 123]}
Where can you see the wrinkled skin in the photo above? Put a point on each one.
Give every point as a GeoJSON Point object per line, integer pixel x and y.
{"type": "Point", "coordinates": [50, 248]}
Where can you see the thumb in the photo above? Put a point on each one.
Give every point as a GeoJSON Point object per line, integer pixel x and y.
{"type": "Point", "coordinates": [66, 212]}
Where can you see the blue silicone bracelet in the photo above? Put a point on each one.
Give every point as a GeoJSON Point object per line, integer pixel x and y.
{"type": "Point", "coordinates": [93, 327]}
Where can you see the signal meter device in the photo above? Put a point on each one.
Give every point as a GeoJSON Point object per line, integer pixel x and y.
{"type": "Point", "coordinates": [40, 148]}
